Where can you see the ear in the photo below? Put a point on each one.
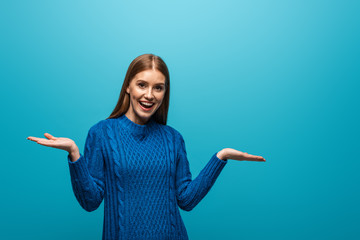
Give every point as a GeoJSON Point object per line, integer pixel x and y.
{"type": "Point", "coordinates": [128, 90]}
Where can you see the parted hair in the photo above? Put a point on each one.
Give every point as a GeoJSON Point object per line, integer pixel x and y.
{"type": "Point", "coordinates": [139, 64]}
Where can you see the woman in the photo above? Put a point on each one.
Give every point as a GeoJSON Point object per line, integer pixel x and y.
{"type": "Point", "coordinates": [138, 163]}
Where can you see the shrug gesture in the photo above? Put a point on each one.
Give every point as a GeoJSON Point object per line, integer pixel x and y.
{"type": "Point", "coordinates": [58, 142]}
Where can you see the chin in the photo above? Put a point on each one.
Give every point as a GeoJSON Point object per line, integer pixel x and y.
{"type": "Point", "coordinates": [144, 115]}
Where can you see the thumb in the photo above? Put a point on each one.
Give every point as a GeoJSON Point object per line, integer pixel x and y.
{"type": "Point", "coordinates": [49, 136]}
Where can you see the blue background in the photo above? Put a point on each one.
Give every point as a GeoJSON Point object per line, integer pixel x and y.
{"type": "Point", "coordinates": [278, 79]}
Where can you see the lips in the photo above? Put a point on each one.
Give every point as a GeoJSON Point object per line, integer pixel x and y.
{"type": "Point", "coordinates": [146, 106]}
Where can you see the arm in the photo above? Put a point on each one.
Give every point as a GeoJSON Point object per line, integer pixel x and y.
{"type": "Point", "coordinates": [87, 172]}
{"type": "Point", "coordinates": [190, 192]}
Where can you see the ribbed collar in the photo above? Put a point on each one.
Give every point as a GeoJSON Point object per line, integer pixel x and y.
{"type": "Point", "coordinates": [135, 128]}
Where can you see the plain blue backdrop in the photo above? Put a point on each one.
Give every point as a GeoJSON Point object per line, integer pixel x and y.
{"type": "Point", "coordinates": [278, 79]}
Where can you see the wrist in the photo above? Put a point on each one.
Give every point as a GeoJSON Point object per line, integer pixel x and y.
{"type": "Point", "coordinates": [74, 155]}
{"type": "Point", "coordinates": [222, 155]}
{"type": "Point", "coordinates": [73, 149]}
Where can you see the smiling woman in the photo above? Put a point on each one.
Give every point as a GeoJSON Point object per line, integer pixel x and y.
{"type": "Point", "coordinates": [146, 93]}
{"type": "Point", "coordinates": [147, 80]}
{"type": "Point", "coordinates": [137, 164]}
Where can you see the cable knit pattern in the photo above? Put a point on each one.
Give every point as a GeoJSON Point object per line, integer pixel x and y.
{"type": "Point", "coordinates": [143, 175]}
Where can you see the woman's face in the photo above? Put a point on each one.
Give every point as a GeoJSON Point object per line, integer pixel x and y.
{"type": "Point", "coordinates": [146, 87]}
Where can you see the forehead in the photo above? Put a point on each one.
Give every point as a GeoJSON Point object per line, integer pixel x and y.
{"type": "Point", "coordinates": [154, 76]}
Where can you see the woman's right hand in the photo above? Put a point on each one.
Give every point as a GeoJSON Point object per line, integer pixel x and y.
{"type": "Point", "coordinates": [56, 142]}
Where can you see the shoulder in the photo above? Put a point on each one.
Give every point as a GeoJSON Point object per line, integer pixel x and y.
{"type": "Point", "coordinates": [97, 129]}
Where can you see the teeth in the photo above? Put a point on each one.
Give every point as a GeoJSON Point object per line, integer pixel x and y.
{"type": "Point", "coordinates": [147, 104]}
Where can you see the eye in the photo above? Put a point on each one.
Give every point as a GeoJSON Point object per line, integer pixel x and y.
{"type": "Point", "coordinates": [141, 85]}
{"type": "Point", "coordinates": [159, 88]}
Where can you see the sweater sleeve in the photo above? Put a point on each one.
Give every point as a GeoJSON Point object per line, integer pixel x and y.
{"type": "Point", "coordinates": [190, 192]}
{"type": "Point", "coordinates": [87, 173]}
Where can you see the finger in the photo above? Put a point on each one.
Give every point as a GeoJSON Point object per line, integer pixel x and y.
{"type": "Point", "coordinates": [35, 139]}
{"type": "Point", "coordinates": [49, 136]}
{"type": "Point", "coordinates": [46, 143]}
{"type": "Point", "coordinates": [260, 159]}
{"type": "Point", "coordinates": [255, 158]}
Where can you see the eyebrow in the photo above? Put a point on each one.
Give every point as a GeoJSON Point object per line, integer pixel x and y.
{"type": "Point", "coordinates": [146, 82]}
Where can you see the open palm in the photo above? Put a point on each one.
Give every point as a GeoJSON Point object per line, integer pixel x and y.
{"type": "Point", "coordinates": [242, 156]}
{"type": "Point", "coordinates": [55, 142]}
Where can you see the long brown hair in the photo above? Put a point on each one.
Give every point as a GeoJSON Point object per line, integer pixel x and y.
{"type": "Point", "coordinates": [139, 64]}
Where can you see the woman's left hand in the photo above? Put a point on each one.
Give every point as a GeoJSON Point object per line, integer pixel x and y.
{"type": "Point", "coordinates": [229, 153]}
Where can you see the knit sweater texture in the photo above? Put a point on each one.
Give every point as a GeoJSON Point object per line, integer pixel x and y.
{"type": "Point", "coordinates": [143, 175]}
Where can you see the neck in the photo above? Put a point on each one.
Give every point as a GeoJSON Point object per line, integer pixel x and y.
{"type": "Point", "coordinates": [136, 120]}
{"type": "Point", "coordinates": [135, 128]}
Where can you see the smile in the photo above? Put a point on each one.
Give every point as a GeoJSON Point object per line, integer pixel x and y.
{"type": "Point", "coordinates": [146, 106]}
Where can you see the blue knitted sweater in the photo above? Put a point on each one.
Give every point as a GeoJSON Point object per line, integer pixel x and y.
{"type": "Point", "coordinates": [143, 175]}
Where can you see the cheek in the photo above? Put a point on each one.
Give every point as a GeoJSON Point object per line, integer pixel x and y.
{"type": "Point", "coordinates": [134, 100]}
{"type": "Point", "coordinates": [160, 96]}
{"type": "Point", "coordinates": [135, 96]}
{"type": "Point", "coordinates": [161, 99]}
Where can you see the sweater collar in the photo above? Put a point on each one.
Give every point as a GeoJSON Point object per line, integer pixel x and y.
{"type": "Point", "coordinates": [135, 128]}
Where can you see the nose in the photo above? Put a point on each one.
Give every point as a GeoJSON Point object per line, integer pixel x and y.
{"type": "Point", "coordinates": [149, 95]}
